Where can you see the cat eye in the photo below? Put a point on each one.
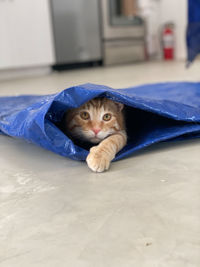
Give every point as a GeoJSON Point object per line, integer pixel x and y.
{"type": "Point", "coordinates": [107, 117]}
{"type": "Point", "coordinates": [85, 115]}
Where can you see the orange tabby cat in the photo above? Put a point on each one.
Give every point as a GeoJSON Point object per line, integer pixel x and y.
{"type": "Point", "coordinates": [99, 121]}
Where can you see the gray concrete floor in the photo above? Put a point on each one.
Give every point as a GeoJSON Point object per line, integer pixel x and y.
{"type": "Point", "coordinates": [143, 212]}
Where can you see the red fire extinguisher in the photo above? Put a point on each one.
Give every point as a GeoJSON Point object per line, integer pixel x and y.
{"type": "Point", "coordinates": [168, 41]}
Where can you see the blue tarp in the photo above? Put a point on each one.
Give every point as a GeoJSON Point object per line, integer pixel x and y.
{"type": "Point", "coordinates": [193, 29]}
{"type": "Point", "coordinates": [154, 113]}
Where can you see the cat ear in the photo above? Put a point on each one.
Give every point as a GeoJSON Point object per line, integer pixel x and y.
{"type": "Point", "coordinates": [120, 106]}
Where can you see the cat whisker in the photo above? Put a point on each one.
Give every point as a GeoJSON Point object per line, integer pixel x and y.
{"type": "Point", "coordinates": [99, 121]}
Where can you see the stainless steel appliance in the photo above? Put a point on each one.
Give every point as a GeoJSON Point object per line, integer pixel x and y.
{"type": "Point", "coordinates": [76, 28]}
{"type": "Point", "coordinates": [123, 36]}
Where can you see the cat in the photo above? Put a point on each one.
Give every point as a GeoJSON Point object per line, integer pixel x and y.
{"type": "Point", "coordinates": [100, 122]}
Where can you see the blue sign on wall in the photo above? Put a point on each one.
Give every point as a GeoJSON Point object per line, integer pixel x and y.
{"type": "Point", "coordinates": [193, 30]}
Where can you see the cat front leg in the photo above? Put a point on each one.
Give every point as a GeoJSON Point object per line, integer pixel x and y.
{"type": "Point", "coordinates": [100, 156]}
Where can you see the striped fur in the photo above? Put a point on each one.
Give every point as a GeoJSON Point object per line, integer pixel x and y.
{"type": "Point", "coordinates": [111, 136]}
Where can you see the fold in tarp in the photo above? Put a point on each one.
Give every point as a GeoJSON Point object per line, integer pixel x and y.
{"type": "Point", "coordinates": [154, 113]}
{"type": "Point", "coordinates": [193, 29]}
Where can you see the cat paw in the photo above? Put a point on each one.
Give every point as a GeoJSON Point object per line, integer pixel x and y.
{"type": "Point", "coordinates": [97, 161]}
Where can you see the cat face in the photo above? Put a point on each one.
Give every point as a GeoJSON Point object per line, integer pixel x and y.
{"type": "Point", "coordinates": [95, 120]}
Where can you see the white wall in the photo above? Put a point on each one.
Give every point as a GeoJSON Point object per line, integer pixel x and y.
{"type": "Point", "coordinates": [176, 11]}
{"type": "Point", "coordinates": [157, 13]}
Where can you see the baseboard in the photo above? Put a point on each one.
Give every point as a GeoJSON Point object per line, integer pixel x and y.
{"type": "Point", "coordinates": [9, 74]}
{"type": "Point", "coordinates": [71, 66]}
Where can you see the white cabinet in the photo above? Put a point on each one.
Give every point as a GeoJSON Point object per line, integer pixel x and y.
{"type": "Point", "coordinates": [25, 34]}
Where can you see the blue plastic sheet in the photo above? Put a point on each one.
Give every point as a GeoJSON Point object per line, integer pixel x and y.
{"type": "Point", "coordinates": [154, 113]}
{"type": "Point", "coordinates": [193, 30]}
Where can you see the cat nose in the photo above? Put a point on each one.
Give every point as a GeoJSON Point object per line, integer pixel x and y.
{"type": "Point", "coordinates": [96, 130]}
